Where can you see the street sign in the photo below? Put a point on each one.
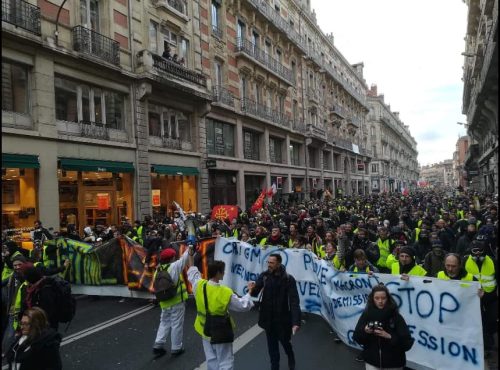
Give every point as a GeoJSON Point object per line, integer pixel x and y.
{"type": "Point", "coordinates": [211, 163]}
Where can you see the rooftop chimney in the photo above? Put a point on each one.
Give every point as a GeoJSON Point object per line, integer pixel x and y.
{"type": "Point", "coordinates": [373, 90]}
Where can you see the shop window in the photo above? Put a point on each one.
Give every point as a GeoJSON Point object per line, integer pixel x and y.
{"type": "Point", "coordinates": [169, 188]}
{"type": "Point", "coordinates": [98, 105]}
{"type": "Point", "coordinates": [220, 138]}
{"type": "Point", "coordinates": [15, 88]}
{"type": "Point", "coordinates": [275, 150]}
{"type": "Point", "coordinates": [251, 145]}
{"type": "Point", "coordinates": [18, 197]}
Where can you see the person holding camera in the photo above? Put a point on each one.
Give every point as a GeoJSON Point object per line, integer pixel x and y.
{"type": "Point", "coordinates": [217, 341]}
{"type": "Point", "coordinates": [382, 332]}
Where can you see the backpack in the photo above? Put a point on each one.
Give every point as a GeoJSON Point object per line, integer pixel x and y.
{"type": "Point", "coordinates": [66, 303]}
{"type": "Point", "coordinates": [164, 287]}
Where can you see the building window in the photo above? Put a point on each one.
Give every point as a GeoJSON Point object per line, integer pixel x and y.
{"type": "Point", "coordinates": [281, 104]}
{"type": "Point", "coordinates": [295, 154]}
{"type": "Point", "coordinates": [327, 162]}
{"type": "Point", "coordinates": [169, 123]}
{"type": "Point", "coordinates": [218, 73]}
{"type": "Point", "coordinates": [243, 87]}
{"type": "Point", "coordinates": [241, 30]}
{"type": "Point", "coordinates": [251, 145]}
{"type": "Point", "coordinates": [313, 158]}
{"type": "Point", "coordinates": [294, 71]}
{"type": "Point", "coordinates": [15, 88]}
{"type": "Point", "coordinates": [220, 138]}
{"type": "Point", "coordinates": [89, 14]}
{"type": "Point", "coordinates": [276, 150]}
{"type": "Point", "coordinates": [216, 26]}
{"type": "Point", "coordinates": [184, 51]}
{"type": "Point", "coordinates": [295, 112]}
{"type": "Point", "coordinates": [153, 37]}
{"type": "Point", "coordinates": [96, 105]}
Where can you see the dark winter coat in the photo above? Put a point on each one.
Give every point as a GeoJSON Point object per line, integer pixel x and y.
{"type": "Point", "coordinates": [392, 350]}
{"type": "Point", "coordinates": [44, 297]}
{"type": "Point", "coordinates": [40, 354]}
{"type": "Point", "coordinates": [279, 307]}
{"type": "Point", "coordinates": [434, 261]}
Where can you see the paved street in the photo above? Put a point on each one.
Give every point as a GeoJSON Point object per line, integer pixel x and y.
{"type": "Point", "coordinates": [127, 343]}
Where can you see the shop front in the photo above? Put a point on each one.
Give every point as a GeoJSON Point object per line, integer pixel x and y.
{"type": "Point", "coordinates": [253, 187]}
{"type": "Point", "coordinates": [222, 187]}
{"type": "Point", "coordinates": [93, 192]}
{"type": "Point", "coordinates": [173, 184]}
{"type": "Point", "coordinates": [19, 190]}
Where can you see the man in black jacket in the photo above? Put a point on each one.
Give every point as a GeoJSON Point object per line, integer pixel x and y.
{"type": "Point", "coordinates": [279, 311]}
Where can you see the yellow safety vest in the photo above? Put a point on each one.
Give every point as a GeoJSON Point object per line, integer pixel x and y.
{"type": "Point", "coordinates": [290, 243]}
{"type": "Point", "coordinates": [218, 297]}
{"type": "Point", "coordinates": [181, 294]}
{"type": "Point", "coordinates": [442, 275]}
{"type": "Point", "coordinates": [390, 260]}
{"type": "Point", "coordinates": [417, 270]}
{"type": "Point", "coordinates": [460, 214]}
{"type": "Point", "coordinates": [17, 304]}
{"type": "Point", "coordinates": [383, 247]}
{"type": "Point", "coordinates": [263, 242]}
{"type": "Point", "coordinates": [487, 274]}
{"type": "Point", "coordinates": [367, 269]}
{"type": "Point", "coordinates": [417, 233]}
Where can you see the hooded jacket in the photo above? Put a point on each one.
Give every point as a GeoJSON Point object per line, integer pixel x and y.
{"type": "Point", "coordinates": [279, 307]}
{"type": "Point", "coordinates": [40, 354]}
{"type": "Point", "coordinates": [393, 350]}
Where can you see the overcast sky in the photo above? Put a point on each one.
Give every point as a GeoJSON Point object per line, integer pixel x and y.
{"type": "Point", "coordinates": [411, 49]}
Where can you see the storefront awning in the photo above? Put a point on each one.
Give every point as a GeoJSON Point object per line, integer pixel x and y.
{"type": "Point", "coordinates": [19, 161]}
{"type": "Point", "coordinates": [174, 170]}
{"type": "Point", "coordinates": [73, 164]}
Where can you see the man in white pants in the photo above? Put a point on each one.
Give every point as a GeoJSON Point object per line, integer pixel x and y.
{"type": "Point", "coordinates": [221, 298]}
{"type": "Point", "coordinates": [173, 309]}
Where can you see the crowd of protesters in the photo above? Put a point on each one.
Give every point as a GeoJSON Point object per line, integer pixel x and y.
{"type": "Point", "coordinates": [443, 234]}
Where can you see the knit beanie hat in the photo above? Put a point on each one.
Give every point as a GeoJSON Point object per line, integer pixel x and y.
{"type": "Point", "coordinates": [408, 250]}
{"type": "Point", "coordinates": [18, 257]}
{"type": "Point", "coordinates": [167, 254]}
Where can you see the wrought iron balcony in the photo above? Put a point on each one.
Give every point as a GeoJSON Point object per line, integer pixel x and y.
{"type": "Point", "coordinates": [87, 41]}
{"type": "Point", "coordinates": [171, 143]}
{"type": "Point", "coordinates": [223, 95]}
{"type": "Point", "coordinates": [94, 130]}
{"type": "Point", "coordinates": [178, 70]}
{"type": "Point", "coordinates": [341, 143]}
{"type": "Point", "coordinates": [22, 14]}
{"type": "Point", "coordinates": [316, 131]}
{"type": "Point", "coordinates": [299, 126]}
{"type": "Point", "coordinates": [265, 113]}
{"type": "Point", "coordinates": [279, 22]}
{"type": "Point", "coordinates": [267, 61]}
{"type": "Point", "coordinates": [339, 111]}
{"type": "Point", "coordinates": [217, 31]}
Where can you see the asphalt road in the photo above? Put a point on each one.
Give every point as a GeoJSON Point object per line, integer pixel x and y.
{"type": "Point", "coordinates": [108, 333]}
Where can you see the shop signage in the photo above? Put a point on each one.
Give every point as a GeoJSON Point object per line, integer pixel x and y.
{"type": "Point", "coordinates": [211, 163]}
{"type": "Point", "coordinates": [473, 172]}
{"type": "Point", "coordinates": [156, 197]}
{"type": "Point", "coordinates": [102, 201]}
{"type": "Point", "coordinates": [102, 169]}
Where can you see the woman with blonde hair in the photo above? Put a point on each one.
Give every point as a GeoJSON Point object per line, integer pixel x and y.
{"type": "Point", "coordinates": [37, 347]}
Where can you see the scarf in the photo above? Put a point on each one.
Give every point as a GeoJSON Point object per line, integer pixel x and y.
{"type": "Point", "coordinates": [32, 289]}
{"type": "Point", "coordinates": [406, 268]}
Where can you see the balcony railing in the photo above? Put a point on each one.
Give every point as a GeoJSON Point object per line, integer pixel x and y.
{"type": "Point", "coordinates": [177, 5]}
{"type": "Point", "coordinates": [341, 143]}
{"type": "Point", "coordinates": [94, 130]}
{"type": "Point", "coordinates": [223, 95]}
{"type": "Point", "coordinates": [253, 51]}
{"type": "Point", "coordinates": [266, 113]}
{"type": "Point", "coordinates": [173, 68]}
{"type": "Point", "coordinates": [316, 131]}
{"type": "Point", "coordinates": [217, 31]}
{"type": "Point", "coordinates": [339, 111]}
{"type": "Point", "coordinates": [279, 22]}
{"type": "Point", "coordinates": [92, 43]}
{"type": "Point", "coordinates": [298, 126]}
{"type": "Point", "coordinates": [171, 143]}
{"type": "Point", "coordinates": [22, 14]}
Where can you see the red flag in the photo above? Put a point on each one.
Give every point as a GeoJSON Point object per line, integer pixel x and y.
{"type": "Point", "coordinates": [258, 203]}
{"type": "Point", "coordinates": [224, 212]}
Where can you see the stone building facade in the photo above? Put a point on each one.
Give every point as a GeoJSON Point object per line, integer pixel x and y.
{"type": "Point", "coordinates": [439, 175]}
{"type": "Point", "coordinates": [459, 173]}
{"type": "Point", "coordinates": [114, 109]}
{"type": "Point", "coordinates": [480, 95]}
{"type": "Point", "coordinates": [394, 165]}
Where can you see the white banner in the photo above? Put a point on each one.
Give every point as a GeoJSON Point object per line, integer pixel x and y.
{"type": "Point", "coordinates": [443, 316]}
